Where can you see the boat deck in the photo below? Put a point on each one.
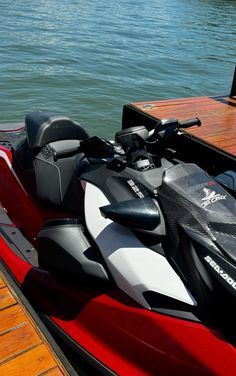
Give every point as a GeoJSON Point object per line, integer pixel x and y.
{"type": "Point", "coordinates": [24, 347]}
{"type": "Point", "coordinates": [217, 114]}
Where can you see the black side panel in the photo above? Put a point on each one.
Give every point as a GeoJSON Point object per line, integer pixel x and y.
{"type": "Point", "coordinates": [132, 117]}
{"type": "Point", "coordinates": [172, 307]}
{"type": "Point", "coordinates": [55, 176]}
{"type": "Point", "coordinates": [52, 179]}
{"type": "Point", "coordinates": [107, 180]}
{"type": "Point", "coordinates": [65, 251]}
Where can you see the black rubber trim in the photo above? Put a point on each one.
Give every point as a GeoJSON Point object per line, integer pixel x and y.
{"type": "Point", "coordinates": [62, 222]}
{"type": "Point", "coordinates": [95, 363]}
{"type": "Point", "coordinates": [169, 306]}
{"type": "Point", "coordinates": [19, 244]}
{"type": "Point", "coordinates": [222, 99]}
{"type": "Point", "coordinates": [15, 286]}
{"type": "Point", "coordinates": [4, 219]}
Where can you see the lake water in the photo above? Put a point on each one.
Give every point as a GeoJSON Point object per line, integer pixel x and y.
{"type": "Point", "coordinates": [86, 59]}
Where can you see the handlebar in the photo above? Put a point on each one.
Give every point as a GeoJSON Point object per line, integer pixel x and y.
{"type": "Point", "coordinates": [175, 124]}
{"type": "Point", "coordinates": [135, 140]}
{"type": "Point", "coordinates": [189, 123]}
{"type": "Point", "coordinates": [167, 128]}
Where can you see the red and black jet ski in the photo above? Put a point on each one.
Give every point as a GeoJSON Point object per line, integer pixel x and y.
{"type": "Point", "coordinates": [125, 248]}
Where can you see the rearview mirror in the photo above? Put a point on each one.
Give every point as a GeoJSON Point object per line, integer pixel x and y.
{"type": "Point", "coordinates": [138, 213]}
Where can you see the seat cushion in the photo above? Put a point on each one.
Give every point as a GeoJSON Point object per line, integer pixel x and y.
{"type": "Point", "coordinates": [43, 128]}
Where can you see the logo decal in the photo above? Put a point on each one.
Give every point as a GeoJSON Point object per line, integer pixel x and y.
{"type": "Point", "coordinates": [221, 272]}
{"type": "Point", "coordinates": [135, 188]}
{"type": "Point", "coordinates": [211, 197]}
{"type": "Point", "coordinates": [211, 183]}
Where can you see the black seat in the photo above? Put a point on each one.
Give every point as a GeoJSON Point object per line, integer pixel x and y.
{"type": "Point", "coordinates": [43, 128]}
{"type": "Point", "coordinates": [47, 159]}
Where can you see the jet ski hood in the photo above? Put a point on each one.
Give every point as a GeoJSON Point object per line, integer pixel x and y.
{"type": "Point", "coordinates": [200, 219]}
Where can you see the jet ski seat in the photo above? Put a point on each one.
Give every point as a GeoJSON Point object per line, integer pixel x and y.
{"type": "Point", "coordinates": [48, 155]}
{"type": "Point", "coordinates": [43, 128]}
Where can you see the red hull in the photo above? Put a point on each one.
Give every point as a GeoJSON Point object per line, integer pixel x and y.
{"type": "Point", "coordinates": [107, 324]}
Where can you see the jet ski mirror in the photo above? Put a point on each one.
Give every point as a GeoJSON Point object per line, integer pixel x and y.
{"type": "Point", "coordinates": [140, 213]}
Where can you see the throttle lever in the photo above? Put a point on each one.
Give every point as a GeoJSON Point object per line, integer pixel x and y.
{"type": "Point", "coordinates": [166, 128]}
{"type": "Point", "coordinates": [163, 124]}
{"type": "Point", "coordinates": [190, 123]}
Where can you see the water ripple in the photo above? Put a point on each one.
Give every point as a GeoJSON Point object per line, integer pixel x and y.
{"type": "Point", "coordinates": [87, 59]}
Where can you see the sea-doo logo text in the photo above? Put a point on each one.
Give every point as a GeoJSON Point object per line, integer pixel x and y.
{"type": "Point", "coordinates": [221, 272]}
{"type": "Point", "coordinates": [211, 197]}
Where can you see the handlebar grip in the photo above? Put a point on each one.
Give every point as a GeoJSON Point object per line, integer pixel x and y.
{"type": "Point", "coordinates": [190, 123]}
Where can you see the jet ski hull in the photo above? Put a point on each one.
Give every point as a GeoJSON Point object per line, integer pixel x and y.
{"type": "Point", "coordinates": [108, 328]}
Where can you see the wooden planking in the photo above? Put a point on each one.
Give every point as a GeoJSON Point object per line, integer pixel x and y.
{"type": "Point", "coordinates": [53, 372]}
{"type": "Point", "coordinates": [28, 363]}
{"type": "Point", "coordinates": [23, 348]}
{"type": "Point", "coordinates": [18, 340]}
{"type": "Point", "coordinates": [11, 317]}
{"type": "Point", "coordinates": [2, 284]}
{"type": "Point", "coordinates": [218, 116]}
{"type": "Point", "coordinates": [6, 298]}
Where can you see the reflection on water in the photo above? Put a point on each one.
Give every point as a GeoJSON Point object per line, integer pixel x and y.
{"type": "Point", "coordinates": [87, 59]}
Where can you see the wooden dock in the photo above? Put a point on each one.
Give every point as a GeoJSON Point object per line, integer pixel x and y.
{"type": "Point", "coordinates": [25, 346]}
{"type": "Point", "coordinates": [217, 114]}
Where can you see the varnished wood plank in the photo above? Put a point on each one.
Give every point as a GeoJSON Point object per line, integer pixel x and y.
{"type": "Point", "coordinates": [6, 298]}
{"type": "Point", "coordinates": [231, 149]}
{"type": "Point", "coordinates": [11, 317]}
{"type": "Point", "coordinates": [226, 143]}
{"type": "Point", "coordinates": [2, 284]}
{"type": "Point", "coordinates": [53, 372]}
{"type": "Point", "coordinates": [30, 363]}
{"type": "Point", "coordinates": [220, 137]}
{"type": "Point", "coordinates": [17, 341]}
{"type": "Point", "coordinates": [208, 129]}
{"type": "Point", "coordinates": [203, 106]}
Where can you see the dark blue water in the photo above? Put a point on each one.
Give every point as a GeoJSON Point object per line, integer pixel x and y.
{"type": "Point", "coordinates": [86, 59]}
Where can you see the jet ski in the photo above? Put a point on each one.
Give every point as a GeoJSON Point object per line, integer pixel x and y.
{"type": "Point", "coordinates": [125, 248]}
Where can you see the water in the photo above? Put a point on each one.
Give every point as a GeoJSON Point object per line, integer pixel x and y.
{"type": "Point", "coordinates": [86, 59]}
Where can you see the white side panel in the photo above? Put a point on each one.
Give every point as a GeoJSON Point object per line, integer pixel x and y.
{"type": "Point", "coordinates": [134, 267]}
